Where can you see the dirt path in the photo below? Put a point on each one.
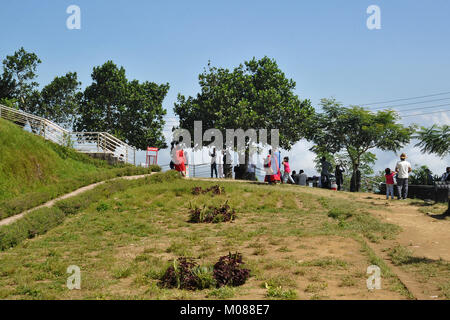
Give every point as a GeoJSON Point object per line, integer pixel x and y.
{"type": "Point", "coordinates": [51, 203]}
{"type": "Point", "coordinates": [426, 235]}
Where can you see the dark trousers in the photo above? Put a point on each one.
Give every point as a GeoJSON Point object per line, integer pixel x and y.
{"type": "Point", "coordinates": [213, 168]}
{"type": "Point", "coordinates": [402, 188]}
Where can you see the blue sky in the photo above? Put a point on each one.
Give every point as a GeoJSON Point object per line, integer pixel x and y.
{"type": "Point", "coordinates": [324, 46]}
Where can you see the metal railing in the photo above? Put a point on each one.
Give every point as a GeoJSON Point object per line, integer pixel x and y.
{"type": "Point", "coordinates": [86, 142]}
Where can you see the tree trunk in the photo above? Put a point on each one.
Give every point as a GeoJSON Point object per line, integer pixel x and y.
{"type": "Point", "coordinates": [241, 171]}
{"type": "Point", "coordinates": [355, 182]}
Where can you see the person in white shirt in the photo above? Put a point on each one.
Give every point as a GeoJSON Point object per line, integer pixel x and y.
{"type": "Point", "coordinates": [220, 164]}
{"type": "Point", "coordinates": [403, 168]}
{"type": "Point", "coordinates": [446, 176]}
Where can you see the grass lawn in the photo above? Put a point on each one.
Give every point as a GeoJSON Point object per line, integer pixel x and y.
{"type": "Point", "coordinates": [297, 245]}
{"type": "Point", "coordinates": [33, 170]}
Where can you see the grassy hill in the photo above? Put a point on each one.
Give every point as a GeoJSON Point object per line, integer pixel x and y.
{"type": "Point", "coordinates": [33, 170]}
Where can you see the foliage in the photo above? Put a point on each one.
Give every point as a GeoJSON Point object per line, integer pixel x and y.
{"type": "Point", "coordinates": [58, 101]}
{"type": "Point", "coordinates": [434, 140]}
{"type": "Point", "coordinates": [279, 293]}
{"type": "Point", "coordinates": [180, 275]}
{"type": "Point", "coordinates": [422, 176]}
{"type": "Point", "coordinates": [255, 95]}
{"type": "Point", "coordinates": [19, 71]}
{"type": "Point", "coordinates": [129, 110]}
{"type": "Point", "coordinates": [212, 214]}
{"type": "Point", "coordinates": [215, 190]}
{"type": "Point", "coordinates": [355, 131]}
{"type": "Point", "coordinates": [228, 271]}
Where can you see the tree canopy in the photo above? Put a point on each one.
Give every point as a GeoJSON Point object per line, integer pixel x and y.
{"type": "Point", "coordinates": [254, 95]}
{"type": "Point", "coordinates": [434, 140]}
{"type": "Point", "coordinates": [58, 101]}
{"type": "Point", "coordinates": [130, 110]}
{"type": "Point", "coordinates": [356, 130]}
{"type": "Point", "coordinates": [19, 72]}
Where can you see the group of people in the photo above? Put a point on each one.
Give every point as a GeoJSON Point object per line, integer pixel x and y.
{"type": "Point", "coordinates": [325, 175]}
{"type": "Point", "coordinates": [220, 164]}
{"type": "Point", "coordinates": [272, 168]}
{"type": "Point", "coordinates": [402, 170]}
{"type": "Point", "coordinates": [400, 175]}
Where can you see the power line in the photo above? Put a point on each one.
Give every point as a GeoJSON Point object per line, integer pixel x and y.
{"type": "Point", "coordinates": [427, 113]}
{"type": "Point", "coordinates": [405, 99]}
{"type": "Point", "coordinates": [408, 104]}
{"type": "Point", "coordinates": [423, 108]}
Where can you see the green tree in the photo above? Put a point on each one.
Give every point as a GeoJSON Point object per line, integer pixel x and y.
{"type": "Point", "coordinates": [356, 130]}
{"type": "Point", "coordinates": [367, 162]}
{"type": "Point", "coordinates": [19, 71]}
{"type": "Point", "coordinates": [131, 111]}
{"type": "Point", "coordinates": [254, 95]}
{"type": "Point", "coordinates": [422, 176]}
{"type": "Point", "coordinates": [434, 140]}
{"type": "Point", "coordinates": [58, 101]}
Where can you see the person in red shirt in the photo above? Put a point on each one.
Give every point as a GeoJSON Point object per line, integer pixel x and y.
{"type": "Point", "coordinates": [390, 183]}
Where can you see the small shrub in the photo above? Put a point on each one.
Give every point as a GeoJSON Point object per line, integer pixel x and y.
{"type": "Point", "coordinates": [102, 207]}
{"type": "Point", "coordinates": [229, 271]}
{"type": "Point", "coordinates": [215, 190]}
{"type": "Point", "coordinates": [212, 214]}
{"type": "Point", "coordinates": [339, 214]}
{"type": "Point", "coordinates": [205, 277]}
{"type": "Point", "coordinates": [279, 293]}
{"type": "Point", "coordinates": [181, 274]}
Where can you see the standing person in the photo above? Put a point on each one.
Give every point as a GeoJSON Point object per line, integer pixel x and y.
{"type": "Point", "coordinates": [403, 168]}
{"type": "Point", "coordinates": [220, 161]}
{"type": "Point", "coordinates": [446, 176]}
{"type": "Point", "coordinates": [180, 159]}
{"type": "Point", "coordinates": [302, 178]}
{"type": "Point", "coordinates": [429, 178]}
{"type": "Point", "coordinates": [213, 156]}
{"type": "Point", "coordinates": [390, 183]}
{"type": "Point", "coordinates": [287, 171]}
{"type": "Point", "coordinates": [325, 173]}
{"type": "Point", "coordinates": [186, 163]}
{"type": "Point", "coordinates": [276, 166]}
{"type": "Point", "coordinates": [227, 164]}
{"type": "Point", "coordinates": [172, 156]}
{"type": "Point", "coordinates": [251, 171]}
{"type": "Point", "coordinates": [339, 176]}
{"type": "Point", "coordinates": [268, 168]}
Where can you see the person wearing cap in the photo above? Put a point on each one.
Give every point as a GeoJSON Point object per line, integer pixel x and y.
{"type": "Point", "coordinates": [403, 168]}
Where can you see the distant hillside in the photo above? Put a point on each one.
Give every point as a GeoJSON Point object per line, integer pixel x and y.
{"type": "Point", "coordinates": [33, 170]}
